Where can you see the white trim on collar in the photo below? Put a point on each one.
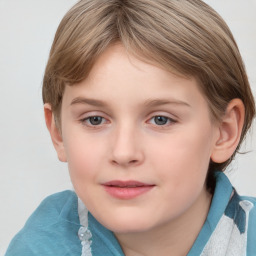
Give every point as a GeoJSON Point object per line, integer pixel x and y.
{"type": "Point", "coordinates": [84, 233]}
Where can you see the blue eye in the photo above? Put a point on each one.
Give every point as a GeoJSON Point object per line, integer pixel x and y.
{"type": "Point", "coordinates": [161, 120]}
{"type": "Point", "coordinates": [94, 120]}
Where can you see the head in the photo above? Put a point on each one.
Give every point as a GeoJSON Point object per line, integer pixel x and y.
{"type": "Point", "coordinates": [184, 37]}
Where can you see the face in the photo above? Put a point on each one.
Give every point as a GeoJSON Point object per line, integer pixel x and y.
{"type": "Point", "coordinates": [138, 141]}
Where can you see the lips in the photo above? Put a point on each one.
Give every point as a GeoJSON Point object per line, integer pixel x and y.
{"type": "Point", "coordinates": [126, 189]}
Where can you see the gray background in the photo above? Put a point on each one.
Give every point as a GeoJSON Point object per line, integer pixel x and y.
{"type": "Point", "coordinates": [29, 169]}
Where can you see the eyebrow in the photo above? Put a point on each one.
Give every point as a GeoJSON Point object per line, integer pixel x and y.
{"type": "Point", "coordinates": [147, 103]}
{"type": "Point", "coordinates": [93, 102]}
{"type": "Point", "coordinates": [160, 102]}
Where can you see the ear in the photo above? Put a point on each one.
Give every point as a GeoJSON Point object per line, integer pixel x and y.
{"type": "Point", "coordinates": [230, 129]}
{"type": "Point", "coordinates": [54, 132]}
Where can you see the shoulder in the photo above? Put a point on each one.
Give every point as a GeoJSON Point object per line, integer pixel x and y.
{"type": "Point", "coordinates": [52, 208]}
{"type": "Point", "coordinates": [51, 229]}
{"type": "Point", "coordinates": [243, 211]}
{"type": "Point", "coordinates": [251, 237]}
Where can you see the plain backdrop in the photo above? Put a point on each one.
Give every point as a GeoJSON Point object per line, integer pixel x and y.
{"type": "Point", "coordinates": [29, 169]}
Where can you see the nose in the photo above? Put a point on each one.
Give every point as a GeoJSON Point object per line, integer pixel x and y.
{"type": "Point", "coordinates": [127, 147]}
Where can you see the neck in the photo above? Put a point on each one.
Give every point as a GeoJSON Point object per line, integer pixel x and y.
{"type": "Point", "coordinates": [173, 238]}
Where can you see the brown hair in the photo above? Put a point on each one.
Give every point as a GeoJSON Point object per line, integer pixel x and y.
{"type": "Point", "coordinates": [184, 36]}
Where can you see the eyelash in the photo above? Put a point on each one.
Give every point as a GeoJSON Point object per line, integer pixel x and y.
{"type": "Point", "coordinates": [88, 121]}
{"type": "Point", "coordinates": [166, 121]}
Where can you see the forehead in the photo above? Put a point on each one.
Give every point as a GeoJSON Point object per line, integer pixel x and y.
{"type": "Point", "coordinates": [118, 77]}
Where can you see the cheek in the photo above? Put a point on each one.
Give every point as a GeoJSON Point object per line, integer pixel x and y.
{"type": "Point", "coordinates": [83, 156]}
{"type": "Point", "coordinates": [84, 167]}
{"type": "Point", "coordinates": [183, 171]}
{"type": "Point", "coordinates": [183, 158]}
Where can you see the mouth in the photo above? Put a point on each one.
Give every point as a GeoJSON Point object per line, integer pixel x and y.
{"type": "Point", "coordinates": [126, 189]}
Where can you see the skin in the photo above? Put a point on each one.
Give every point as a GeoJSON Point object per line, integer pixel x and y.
{"type": "Point", "coordinates": [127, 141]}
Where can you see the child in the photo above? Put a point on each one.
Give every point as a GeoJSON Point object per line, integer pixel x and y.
{"type": "Point", "coordinates": [148, 102]}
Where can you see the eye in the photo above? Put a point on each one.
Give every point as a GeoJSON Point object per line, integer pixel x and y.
{"type": "Point", "coordinates": [161, 120]}
{"type": "Point", "coordinates": [94, 120]}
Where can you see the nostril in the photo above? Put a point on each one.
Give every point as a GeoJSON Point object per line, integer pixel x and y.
{"type": "Point", "coordinates": [132, 162]}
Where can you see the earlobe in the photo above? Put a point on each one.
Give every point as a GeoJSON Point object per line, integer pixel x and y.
{"type": "Point", "coordinates": [230, 129]}
{"type": "Point", "coordinates": [54, 133]}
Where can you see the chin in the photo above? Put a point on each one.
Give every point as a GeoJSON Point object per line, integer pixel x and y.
{"type": "Point", "coordinates": [128, 229]}
{"type": "Point", "coordinates": [128, 225]}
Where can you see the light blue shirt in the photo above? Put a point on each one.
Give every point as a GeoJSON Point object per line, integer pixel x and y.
{"type": "Point", "coordinates": [52, 230]}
